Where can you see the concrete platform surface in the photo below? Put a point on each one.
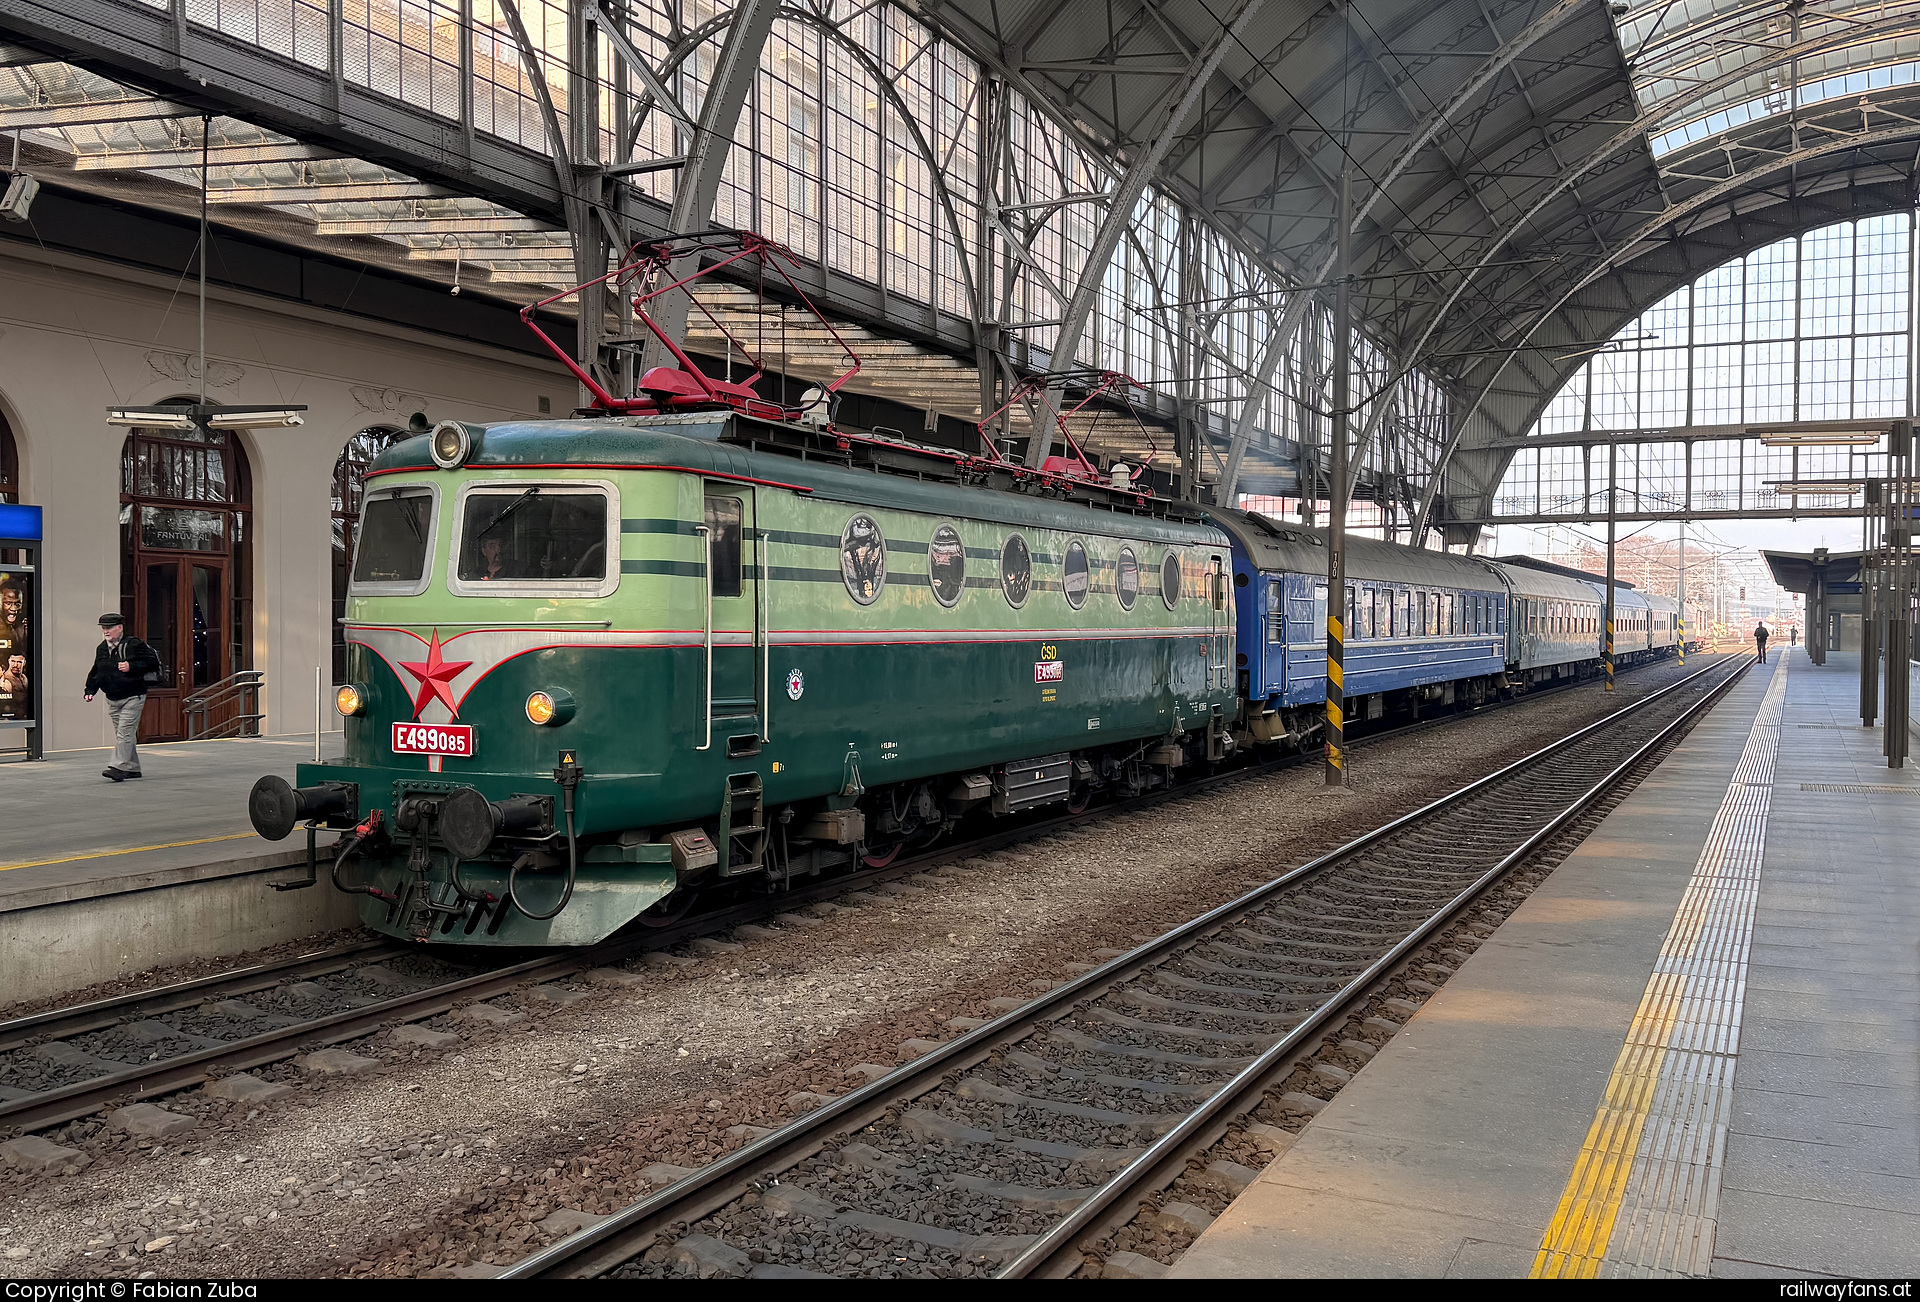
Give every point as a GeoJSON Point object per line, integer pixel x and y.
{"type": "Point", "coordinates": [70, 833]}
{"type": "Point", "coordinates": [1686, 1053]}
{"type": "Point", "coordinates": [101, 880]}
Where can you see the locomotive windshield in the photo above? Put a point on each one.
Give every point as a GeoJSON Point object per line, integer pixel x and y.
{"type": "Point", "coordinates": [395, 528]}
{"type": "Point", "coordinates": [533, 533]}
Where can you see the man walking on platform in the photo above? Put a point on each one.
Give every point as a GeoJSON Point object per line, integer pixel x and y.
{"type": "Point", "coordinates": [120, 668]}
{"type": "Point", "coordinates": [1760, 641]}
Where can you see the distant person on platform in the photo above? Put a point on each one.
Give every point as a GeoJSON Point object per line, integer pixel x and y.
{"type": "Point", "coordinates": [120, 668]}
{"type": "Point", "coordinates": [1760, 641]}
{"type": "Point", "coordinates": [1793, 636]}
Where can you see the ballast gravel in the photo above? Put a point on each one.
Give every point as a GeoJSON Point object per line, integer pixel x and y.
{"type": "Point", "coordinates": [449, 1161]}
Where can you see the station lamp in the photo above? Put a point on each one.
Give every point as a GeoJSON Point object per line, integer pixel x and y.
{"type": "Point", "coordinates": [1815, 487]}
{"type": "Point", "coordinates": [1784, 438]}
{"type": "Point", "coordinates": [210, 415]}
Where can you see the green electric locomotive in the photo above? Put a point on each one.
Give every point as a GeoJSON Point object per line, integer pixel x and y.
{"type": "Point", "coordinates": [598, 665]}
{"type": "Point", "coordinates": [703, 640]}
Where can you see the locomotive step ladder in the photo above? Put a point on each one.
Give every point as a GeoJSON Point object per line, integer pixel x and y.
{"type": "Point", "coordinates": [743, 825]}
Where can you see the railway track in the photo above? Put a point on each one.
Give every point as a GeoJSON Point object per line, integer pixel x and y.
{"type": "Point", "coordinates": [1011, 1148]}
{"type": "Point", "coordinates": [62, 1064]}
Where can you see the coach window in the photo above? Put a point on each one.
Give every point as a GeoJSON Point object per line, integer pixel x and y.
{"type": "Point", "coordinates": [1366, 612]}
{"type": "Point", "coordinates": [1349, 624]}
{"type": "Point", "coordinates": [1406, 613]}
{"type": "Point", "coordinates": [1276, 612]}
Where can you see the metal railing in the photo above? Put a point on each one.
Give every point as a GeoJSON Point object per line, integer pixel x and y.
{"type": "Point", "coordinates": [241, 690]}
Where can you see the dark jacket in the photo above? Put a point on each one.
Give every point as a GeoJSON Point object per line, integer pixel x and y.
{"type": "Point", "coordinates": [1760, 634]}
{"type": "Point", "coordinates": [105, 676]}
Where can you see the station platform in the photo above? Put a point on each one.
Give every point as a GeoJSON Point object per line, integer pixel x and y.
{"type": "Point", "coordinates": [1693, 1051]}
{"type": "Point", "coordinates": [99, 879]}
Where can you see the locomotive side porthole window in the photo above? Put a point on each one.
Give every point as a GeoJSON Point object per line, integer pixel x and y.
{"type": "Point", "coordinates": [1074, 577]}
{"type": "Point", "coordinates": [723, 516]}
{"type": "Point", "coordinates": [1170, 580]}
{"type": "Point", "coordinates": [1126, 578]}
{"type": "Point", "coordinates": [1016, 570]}
{"type": "Point", "coordinates": [863, 559]}
{"type": "Point", "coordinates": [947, 565]}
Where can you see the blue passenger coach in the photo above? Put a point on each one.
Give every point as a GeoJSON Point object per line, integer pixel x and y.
{"type": "Point", "coordinates": [1422, 627]}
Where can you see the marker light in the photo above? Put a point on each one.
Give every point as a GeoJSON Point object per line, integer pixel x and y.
{"type": "Point", "coordinates": [350, 699]}
{"type": "Point", "coordinates": [550, 708]}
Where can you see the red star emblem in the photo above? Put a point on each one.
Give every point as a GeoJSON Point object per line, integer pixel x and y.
{"type": "Point", "coordinates": [435, 676]}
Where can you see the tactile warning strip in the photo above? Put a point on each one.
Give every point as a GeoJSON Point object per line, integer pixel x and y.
{"type": "Point", "coordinates": [1643, 1198]}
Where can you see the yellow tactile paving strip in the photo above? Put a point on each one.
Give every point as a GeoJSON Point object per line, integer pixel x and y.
{"type": "Point", "coordinates": [1644, 1194]}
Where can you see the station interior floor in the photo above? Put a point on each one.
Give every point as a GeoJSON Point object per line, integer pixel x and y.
{"type": "Point", "coordinates": [1694, 1050]}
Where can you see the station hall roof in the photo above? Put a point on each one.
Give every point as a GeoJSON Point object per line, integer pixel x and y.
{"type": "Point", "coordinates": [1528, 174]}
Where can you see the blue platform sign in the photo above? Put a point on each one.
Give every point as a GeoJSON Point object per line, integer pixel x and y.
{"type": "Point", "coordinates": [20, 523]}
{"type": "Point", "coordinates": [1843, 589]}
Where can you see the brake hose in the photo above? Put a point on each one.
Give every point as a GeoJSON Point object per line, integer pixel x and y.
{"type": "Point", "coordinates": [350, 846]}
{"type": "Point", "coordinates": [568, 777]}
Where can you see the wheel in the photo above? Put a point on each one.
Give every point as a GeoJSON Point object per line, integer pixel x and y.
{"type": "Point", "coordinates": [1078, 800]}
{"type": "Point", "coordinates": [668, 911]}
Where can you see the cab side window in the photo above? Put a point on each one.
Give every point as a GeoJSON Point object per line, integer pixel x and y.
{"type": "Point", "coordinates": [723, 520]}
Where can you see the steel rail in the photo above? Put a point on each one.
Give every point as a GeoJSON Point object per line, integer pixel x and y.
{"type": "Point", "coordinates": [77, 1019]}
{"type": "Point", "coordinates": [42, 1109]}
{"type": "Point", "coordinates": [1056, 1255]}
{"type": "Point", "coordinates": [626, 1233]}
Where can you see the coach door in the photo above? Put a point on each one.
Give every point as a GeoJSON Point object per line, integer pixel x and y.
{"type": "Point", "coordinates": [736, 635]}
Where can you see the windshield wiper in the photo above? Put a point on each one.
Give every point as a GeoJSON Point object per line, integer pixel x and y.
{"type": "Point", "coordinates": [512, 506]}
{"type": "Point", "coordinates": [410, 512]}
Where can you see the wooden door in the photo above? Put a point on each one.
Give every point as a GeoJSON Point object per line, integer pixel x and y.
{"type": "Point", "coordinates": [182, 602]}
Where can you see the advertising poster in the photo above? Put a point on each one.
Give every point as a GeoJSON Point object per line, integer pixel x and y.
{"type": "Point", "coordinates": [16, 672]}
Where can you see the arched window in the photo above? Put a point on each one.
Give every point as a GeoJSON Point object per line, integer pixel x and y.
{"type": "Point", "coordinates": [349, 492]}
{"type": "Point", "coordinates": [9, 480]}
{"type": "Point", "coordinates": [186, 577]}
{"type": "Point", "coordinates": [9, 463]}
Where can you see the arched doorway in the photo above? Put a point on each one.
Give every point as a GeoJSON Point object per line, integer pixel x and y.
{"type": "Point", "coordinates": [185, 573]}
{"type": "Point", "coordinates": [349, 491]}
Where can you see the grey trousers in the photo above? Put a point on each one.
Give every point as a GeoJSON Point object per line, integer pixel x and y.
{"type": "Point", "coordinates": [126, 726]}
